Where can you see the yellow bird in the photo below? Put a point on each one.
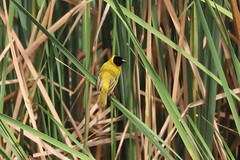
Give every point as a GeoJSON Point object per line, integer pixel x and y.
{"type": "Point", "coordinates": [108, 77]}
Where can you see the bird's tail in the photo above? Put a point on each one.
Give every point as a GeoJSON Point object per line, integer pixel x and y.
{"type": "Point", "coordinates": [102, 99]}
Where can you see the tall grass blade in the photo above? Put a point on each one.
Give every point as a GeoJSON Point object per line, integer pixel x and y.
{"type": "Point", "coordinates": [170, 106]}
{"type": "Point", "coordinates": [146, 130]}
{"type": "Point", "coordinates": [88, 75]}
{"type": "Point", "coordinates": [12, 142]}
{"type": "Point", "coordinates": [218, 65]}
{"type": "Point", "coordinates": [44, 137]}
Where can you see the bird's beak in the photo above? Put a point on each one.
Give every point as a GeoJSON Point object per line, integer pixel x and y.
{"type": "Point", "coordinates": [124, 61]}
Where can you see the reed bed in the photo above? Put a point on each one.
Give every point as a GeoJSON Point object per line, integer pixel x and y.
{"type": "Point", "coordinates": [177, 96]}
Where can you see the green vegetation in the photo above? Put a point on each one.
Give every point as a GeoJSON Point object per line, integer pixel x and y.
{"type": "Point", "coordinates": [178, 93]}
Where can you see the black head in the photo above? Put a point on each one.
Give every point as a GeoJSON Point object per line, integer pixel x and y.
{"type": "Point", "coordinates": [118, 60]}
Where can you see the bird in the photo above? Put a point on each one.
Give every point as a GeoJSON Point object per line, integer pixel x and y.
{"type": "Point", "coordinates": [108, 77]}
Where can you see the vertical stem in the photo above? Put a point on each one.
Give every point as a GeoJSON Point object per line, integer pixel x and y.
{"type": "Point", "coordinates": [86, 46]}
{"type": "Point", "coordinates": [236, 17]}
{"type": "Point", "coordinates": [148, 81]}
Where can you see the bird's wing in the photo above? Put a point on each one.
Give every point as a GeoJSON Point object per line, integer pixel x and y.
{"type": "Point", "coordinates": [112, 85]}
{"type": "Point", "coordinates": [99, 82]}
